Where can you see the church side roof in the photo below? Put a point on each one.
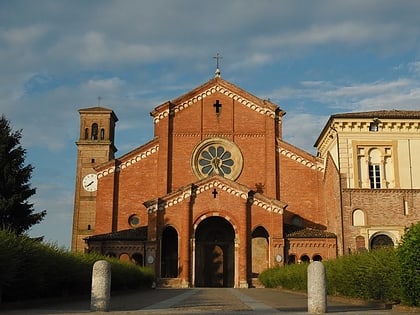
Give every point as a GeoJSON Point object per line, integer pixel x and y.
{"type": "Point", "coordinates": [291, 231]}
{"type": "Point", "coordinates": [137, 234]}
{"type": "Point", "coordinates": [217, 84]}
{"type": "Point", "coordinates": [229, 186]}
{"type": "Point", "coordinates": [299, 155]}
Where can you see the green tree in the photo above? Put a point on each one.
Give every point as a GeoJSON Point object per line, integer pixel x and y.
{"type": "Point", "coordinates": [16, 213]}
{"type": "Point", "coordinates": [409, 256]}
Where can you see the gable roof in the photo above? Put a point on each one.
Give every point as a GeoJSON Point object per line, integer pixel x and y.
{"type": "Point", "coordinates": [98, 110]}
{"type": "Point", "coordinates": [214, 85]}
{"type": "Point", "coordinates": [211, 182]}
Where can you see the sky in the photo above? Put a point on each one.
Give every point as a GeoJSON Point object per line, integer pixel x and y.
{"type": "Point", "coordinates": [311, 58]}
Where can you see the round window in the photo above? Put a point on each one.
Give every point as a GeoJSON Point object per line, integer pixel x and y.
{"type": "Point", "coordinates": [217, 156]}
{"type": "Point", "coordinates": [134, 220]}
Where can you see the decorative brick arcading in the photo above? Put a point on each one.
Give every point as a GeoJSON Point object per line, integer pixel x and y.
{"type": "Point", "coordinates": [142, 155]}
{"type": "Point", "coordinates": [210, 91]}
{"type": "Point", "coordinates": [181, 196]}
{"type": "Point", "coordinates": [301, 160]}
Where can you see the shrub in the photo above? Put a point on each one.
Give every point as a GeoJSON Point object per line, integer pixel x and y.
{"type": "Point", "coordinates": [292, 277]}
{"type": "Point", "coordinates": [371, 275]}
{"type": "Point", "coordinates": [409, 259]}
{"type": "Point", "coordinates": [31, 269]}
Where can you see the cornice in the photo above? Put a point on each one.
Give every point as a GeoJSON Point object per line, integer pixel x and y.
{"type": "Point", "coordinates": [381, 190]}
{"type": "Point", "coordinates": [216, 88]}
{"type": "Point", "coordinates": [357, 126]}
{"type": "Point", "coordinates": [136, 158]}
{"type": "Point", "coordinates": [171, 200]}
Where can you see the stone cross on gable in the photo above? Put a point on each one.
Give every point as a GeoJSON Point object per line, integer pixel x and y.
{"type": "Point", "coordinates": [217, 57]}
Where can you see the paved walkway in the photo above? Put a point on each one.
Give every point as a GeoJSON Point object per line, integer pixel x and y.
{"type": "Point", "coordinates": [203, 301]}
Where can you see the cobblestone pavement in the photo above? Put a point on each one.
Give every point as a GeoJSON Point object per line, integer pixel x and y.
{"type": "Point", "coordinates": [202, 301]}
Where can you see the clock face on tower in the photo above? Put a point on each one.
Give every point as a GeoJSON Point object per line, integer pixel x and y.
{"type": "Point", "coordinates": [90, 182]}
{"type": "Point", "coordinates": [217, 156]}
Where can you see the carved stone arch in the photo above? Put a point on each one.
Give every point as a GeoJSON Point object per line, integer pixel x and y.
{"type": "Point", "coordinates": [382, 239]}
{"type": "Point", "coordinates": [221, 215]}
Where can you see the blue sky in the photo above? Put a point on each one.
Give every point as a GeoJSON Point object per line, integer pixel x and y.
{"type": "Point", "coordinates": [312, 58]}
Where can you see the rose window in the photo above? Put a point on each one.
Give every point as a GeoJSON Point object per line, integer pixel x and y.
{"type": "Point", "coordinates": [217, 156]}
{"type": "Point", "coordinates": [216, 161]}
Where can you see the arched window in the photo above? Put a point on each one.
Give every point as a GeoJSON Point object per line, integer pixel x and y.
{"type": "Point", "coordinates": [169, 261]}
{"type": "Point", "coordinates": [358, 218]}
{"type": "Point", "coordinates": [376, 167]}
{"type": "Point", "coordinates": [86, 133]}
{"type": "Point", "coordinates": [102, 133]}
{"type": "Point", "coordinates": [124, 257]}
{"type": "Point", "coordinates": [304, 259]}
{"type": "Point", "coordinates": [94, 131]}
{"type": "Point", "coordinates": [317, 258]}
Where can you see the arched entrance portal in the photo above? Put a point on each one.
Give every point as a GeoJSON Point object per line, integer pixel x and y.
{"type": "Point", "coordinates": [214, 254]}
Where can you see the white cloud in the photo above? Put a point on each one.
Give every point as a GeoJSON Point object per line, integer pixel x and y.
{"type": "Point", "coordinates": [108, 85]}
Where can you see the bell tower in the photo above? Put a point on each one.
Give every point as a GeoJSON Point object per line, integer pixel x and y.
{"type": "Point", "coordinates": [95, 146]}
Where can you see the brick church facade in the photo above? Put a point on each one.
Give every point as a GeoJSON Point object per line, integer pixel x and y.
{"type": "Point", "coordinates": [217, 195]}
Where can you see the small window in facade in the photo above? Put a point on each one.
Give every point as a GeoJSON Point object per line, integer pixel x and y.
{"type": "Point", "coordinates": [134, 220]}
{"type": "Point", "coordinates": [373, 127]}
{"type": "Point", "coordinates": [86, 133]}
{"type": "Point", "coordinates": [358, 218]}
{"type": "Point", "coordinates": [102, 134]}
{"type": "Point", "coordinates": [94, 131]}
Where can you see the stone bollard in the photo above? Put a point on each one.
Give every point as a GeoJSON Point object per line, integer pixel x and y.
{"type": "Point", "coordinates": [317, 288]}
{"type": "Point", "coordinates": [101, 286]}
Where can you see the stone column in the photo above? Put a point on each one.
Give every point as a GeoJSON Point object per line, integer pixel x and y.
{"type": "Point", "coordinates": [317, 288]}
{"type": "Point", "coordinates": [101, 286]}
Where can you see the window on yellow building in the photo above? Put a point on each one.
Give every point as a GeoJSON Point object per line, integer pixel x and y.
{"type": "Point", "coordinates": [375, 168]}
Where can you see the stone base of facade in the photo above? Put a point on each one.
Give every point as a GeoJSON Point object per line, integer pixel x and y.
{"type": "Point", "coordinates": [176, 283]}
